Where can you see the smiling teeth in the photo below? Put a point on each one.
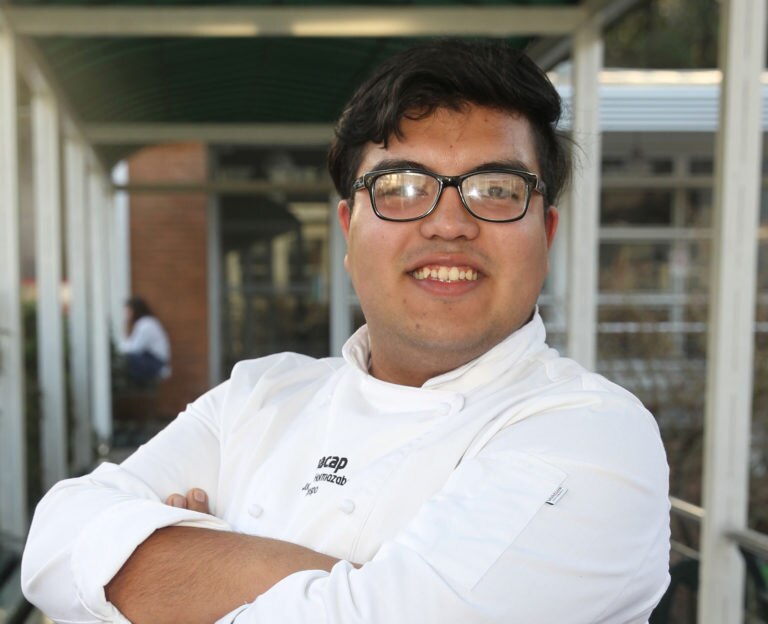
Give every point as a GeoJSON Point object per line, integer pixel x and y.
{"type": "Point", "coordinates": [445, 274]}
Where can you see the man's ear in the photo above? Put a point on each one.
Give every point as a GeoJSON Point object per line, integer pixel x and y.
{"type": "Point", "coordinates": [551, 219]}
{"type": "Point", "coordinates": [344, 212]}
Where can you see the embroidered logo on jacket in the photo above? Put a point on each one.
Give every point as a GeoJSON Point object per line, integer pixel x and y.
{"type": "Point", "coordinates": [330, 462]}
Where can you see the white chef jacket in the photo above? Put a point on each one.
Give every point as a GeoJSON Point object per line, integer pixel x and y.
{"type": "Point", "coordinates": [518, 488]}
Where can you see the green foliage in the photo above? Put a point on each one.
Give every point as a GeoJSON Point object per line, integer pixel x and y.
{"type": "Point", "coordinates": [665, 34]}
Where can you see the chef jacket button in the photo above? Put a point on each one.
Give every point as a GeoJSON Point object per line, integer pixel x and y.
{"type": "Point", "coordinates": [255, 510]}
{"type": "Point", "coordinates": [347, 506]}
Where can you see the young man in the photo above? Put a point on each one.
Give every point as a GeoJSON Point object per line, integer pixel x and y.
{"type": "Point", "coordinates": [450, 468]}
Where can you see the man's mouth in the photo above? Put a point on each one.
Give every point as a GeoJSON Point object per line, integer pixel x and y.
{"type": "Point", "coordinates": [445, 273]}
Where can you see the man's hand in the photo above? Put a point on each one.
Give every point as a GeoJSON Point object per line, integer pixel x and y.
{"type": "Point", "coordinates": [195, 500]}
{"type": "Point", "coordinates": [196, 576]}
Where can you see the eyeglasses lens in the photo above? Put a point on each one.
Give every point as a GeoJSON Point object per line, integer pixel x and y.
{"type": "Point", "coordinates": [497, 196]}
{"type": "Point", "coordinates": [405, 195]}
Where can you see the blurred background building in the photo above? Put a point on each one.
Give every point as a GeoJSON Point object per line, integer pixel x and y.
{"type": "Point", "coordinates": [177, 151]}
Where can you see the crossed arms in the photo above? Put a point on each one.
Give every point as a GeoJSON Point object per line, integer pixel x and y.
{"type": "Point", "coordinates": [196, 575]}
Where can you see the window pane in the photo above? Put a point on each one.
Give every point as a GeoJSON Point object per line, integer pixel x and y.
{"type": "Point", "coordinates": [702, 165]}
{"type": "Point", "coordinates": [698, 208]}
{"type": "Point", "coordinates": [634, 267]}
{"type": "Point", "coordinates": [764, 209]}
{"type": "Point", "coordinates": [680, 267]}
{"type": "Point", "coordinates": [636, 207]}
{"type": "Point", "coordinates": [276, 278]}
{"type": "Point", "coordinates": [554, 321]}
{"type": "Point", "coordinates": [758, 461]}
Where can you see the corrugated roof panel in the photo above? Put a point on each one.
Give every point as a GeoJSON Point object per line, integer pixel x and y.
{"type": "Point", "coordinates": [657, 108]}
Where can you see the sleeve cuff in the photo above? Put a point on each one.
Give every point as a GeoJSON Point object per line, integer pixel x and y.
{"type": "Point", "coordinates": [108, 540]}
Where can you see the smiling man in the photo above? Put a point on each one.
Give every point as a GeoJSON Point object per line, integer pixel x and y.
{"type": "Point", "coordinates": [450, 467]}
{"type": "Point", "coordinates": [444, 273]}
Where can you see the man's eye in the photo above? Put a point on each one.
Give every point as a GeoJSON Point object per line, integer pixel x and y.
{"type": "Point", "coordinates": [498, 192]}
{"type": "Point", "coordinates": [398, 191]}
{"type": "Point", "coordinates": [404, 190]}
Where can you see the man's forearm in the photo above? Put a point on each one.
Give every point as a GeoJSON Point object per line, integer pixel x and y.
{"type": "Point", "coordinates": [192, 575]}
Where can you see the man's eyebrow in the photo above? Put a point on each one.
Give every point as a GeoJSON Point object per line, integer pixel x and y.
{"type": "Point", "coordinates": [398, 164]}
{"type": "Point", "coordinates": [502, 164]}
{"type": "Point", "coordinates": [412, 164]}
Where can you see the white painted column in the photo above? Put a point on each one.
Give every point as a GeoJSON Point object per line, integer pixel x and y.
{"type": "Point", "coordinates": [77, 232]}
{"type": "Point", "coordinates": [215, 288]}
{"type": "Point", "coordinates": [732, 308]}
{"type": "Point", "coordinates": [340, 313]}
{"type": "Point", "coordinates": [101, 382]}
{"type": "Point", "coordinates": [46, 165]}
{"type": "Point", "coordinates": [13, 477]}
{"type": "Point", "coordinates": [584, 219]}
{"type": "Point", "coordinates": [119, 230]}
{"type": "Point", "coordinates": [558, 272]}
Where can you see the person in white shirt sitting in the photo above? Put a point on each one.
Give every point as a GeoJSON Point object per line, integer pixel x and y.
{"type": "Point", "coordinates": [146, 348]}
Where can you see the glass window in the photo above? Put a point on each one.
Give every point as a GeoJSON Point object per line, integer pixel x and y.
{"type": "Point", "coordinates": [758, 461]}
{"type": "Point", "coordinates": [636, 207]}
{"type": "Point", "coordinates": [697, 211]}
{"type": "Point", "coordinates": [704, 165]}
{"type": "Point", "coordinates": [554, 321]}
{"type": "Point", "coordinates": [276, 278]}
{"type": "Point", "coordinates": [661, 165]}
{"type": "Point", "coordinates": [626, 267]}
{"type": "Point", "coordinates": [764, 209]}
{"type": "Point", "coordinates": [676, 266]}
{"type": "Point", "coordinates": [613, 164]}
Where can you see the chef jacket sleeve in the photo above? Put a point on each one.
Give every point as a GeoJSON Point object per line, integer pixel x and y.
{"type": "Point", "coordinates": [85, 528]}
{"type": "Point", "coordinates": [548, 523]}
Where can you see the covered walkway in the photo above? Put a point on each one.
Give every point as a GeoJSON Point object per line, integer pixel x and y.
{"type": "Point", "coordinates": [91, 84]}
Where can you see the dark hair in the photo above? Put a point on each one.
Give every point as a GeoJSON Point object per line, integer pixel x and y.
{"type": "Point", "coordinates": [450, 73]}
{"type": "Point", "coordinates": [138, 307]}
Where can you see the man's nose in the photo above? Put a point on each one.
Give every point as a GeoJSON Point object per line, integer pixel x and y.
{"type": "Point", "coordinates": [450, 219]}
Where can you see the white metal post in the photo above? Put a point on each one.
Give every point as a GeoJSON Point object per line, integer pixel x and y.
{"type": "Point", "coordinates": [78, 318]}
{"type": "Point", "coordinates": [215, 289]}
{"type": "Point", "coordinates": [732, 309]}
{"type": "Point", "coordinates": [584, 204]}
{"type": "Point", "coordinates": [46, 165]}
{"type": "Point", "coordinates": [558, 272]}
{"type": "Point", "coordinates": [119, 229]}
{"type": "Point", "coordinates": [13, 477]}
{"type": "Point", "coordinates": [340, 312]}
{"type": "Point", "coordinates": [101, 387]}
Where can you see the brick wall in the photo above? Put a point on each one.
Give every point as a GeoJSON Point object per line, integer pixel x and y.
{"type": "Point", "coordinates": [169, 264]}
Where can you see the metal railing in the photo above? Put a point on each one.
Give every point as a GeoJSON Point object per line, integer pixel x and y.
{"type": "Point", "coordinates": [750, 540]}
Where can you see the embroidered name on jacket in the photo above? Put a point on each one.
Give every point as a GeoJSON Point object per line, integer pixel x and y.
{"type": "Point", "coordinates": [331, 463]}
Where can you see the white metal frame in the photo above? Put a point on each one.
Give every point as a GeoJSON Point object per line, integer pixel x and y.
{"type": "Point", "coordinates": [585, 196]}
{"type": "Point", "coordinates": [732, 309]}
{"type": "Point", "coordinates": [13, 499]}
{"type": "Point", "coordinates": [215, 289]}
{"type": "Point", "coordinates": [118, 223]}
{"type": "Point", "coordinates": [101, 387]}
{"type": "Point", "coordinates": [341, 286]}
{"type": "Point", "coordinates": [77, 233]}
{"type": "Point", "coordinates": [46, 165]}
{"type": "Point", "coordinates": [306, 21]}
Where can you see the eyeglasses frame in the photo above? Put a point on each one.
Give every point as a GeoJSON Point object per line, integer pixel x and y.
{"type": "Point", "coordinates": [532, 183]}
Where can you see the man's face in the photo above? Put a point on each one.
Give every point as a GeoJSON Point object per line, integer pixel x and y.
{"type": "Point", "coordinates": [420, 327]}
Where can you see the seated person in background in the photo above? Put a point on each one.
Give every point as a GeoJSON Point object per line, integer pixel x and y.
{"type": "Point", "coordinates": [450, 468]}
{"type": "Point", "coordinates": [146, 349]}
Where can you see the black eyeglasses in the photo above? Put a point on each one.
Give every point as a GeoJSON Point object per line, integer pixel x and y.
{"type": "Point", "coordinates": [498, 195]}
